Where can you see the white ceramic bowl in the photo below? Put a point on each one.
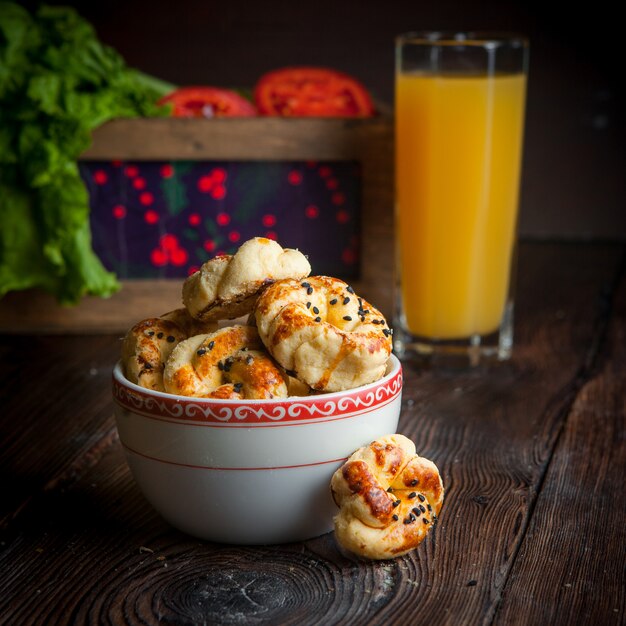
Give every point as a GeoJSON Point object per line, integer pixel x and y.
{"type": "Point", "coordinates": [249, 471]}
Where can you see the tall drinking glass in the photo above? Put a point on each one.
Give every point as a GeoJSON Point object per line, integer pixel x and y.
{"type": "Point", "coordinates": [459, 125]}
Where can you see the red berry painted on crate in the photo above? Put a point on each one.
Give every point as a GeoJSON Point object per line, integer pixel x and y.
{"type": "Point", "coordinates": [218, 174]}
{"type": "Point", "coordinates": [332, 183]}
{"type": "Point", "coordinates": [348, 256]}
{"type": "Point", "coordinates": [131, 171]}
{"type": "Point", "coordinates": [151, 217]}
{"type": "Point", "coordinates": [268, 220]}
{"type": "Point", "coordinates": [342, 216]}
{"type": "Point", "coordinates": [139, 183]}
{"type": "Point", "coordinates": [179, 257]}
{"type": "Point", "coordinates": [195, 219]}
{"type": "Point", "coordinates": [167, 171]}
{"type": "Point", "coordinates": [312, 211]}
{"type": "Point", "coordinates": [146, 198]}
{"type": "Point", "coordinates": [223, 219]}
{"type": "Point", "coordinates": [294, 177]}
{"type": "Point", "coordinates": [325, 171]}
{"type": "Point", "coordinates": [209, 245]}
{"type": "Point", "coordinates": [270, 234]}
{"type": "Point", "coordinates": [219, 192]}
{"type": "Point", "coordinates": [119, 211]}
{"type": "Point", "coordinates": [168, 242]}
{"type": "Point", "coordinates": [205, 184]}
{"type": "Point", "coordinates": [338, 198]}
{"type": "Point", "coordinates": [100, 177]}
{"type": "Point", "coordinates": [234, 236]}
{"type": "Point", "coordinates": [158, 257]}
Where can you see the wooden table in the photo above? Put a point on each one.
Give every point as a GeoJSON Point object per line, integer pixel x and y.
{"type": "Point", "coordinates": [532, 454]}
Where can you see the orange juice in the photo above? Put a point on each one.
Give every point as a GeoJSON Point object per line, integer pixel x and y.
{"type": "Point", "coordinates": [458, 153]}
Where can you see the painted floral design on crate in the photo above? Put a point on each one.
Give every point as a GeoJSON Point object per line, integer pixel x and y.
{"type": "Point", "coordinates": [154, 219]}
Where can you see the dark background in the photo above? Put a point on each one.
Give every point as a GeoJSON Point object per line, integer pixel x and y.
{"type": "Point", "coordinates": [575, 162]}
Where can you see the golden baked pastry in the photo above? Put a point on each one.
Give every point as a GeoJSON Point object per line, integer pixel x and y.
{"type": "Point", "coordinates": [149, 342]}
{"type": "Point", "coordinates": [320, 331]}
{"type": "Point", "coordinates": [229, 363]}
{"type": "Point", "coordinates": [389, 498]}
{"type": "Point", "coordinates": [228, 286]}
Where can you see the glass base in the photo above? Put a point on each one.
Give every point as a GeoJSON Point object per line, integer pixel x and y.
{"type": "Point", "coordinates": [456, 353]}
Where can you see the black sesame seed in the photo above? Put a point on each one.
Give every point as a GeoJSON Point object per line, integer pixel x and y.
{"type": "Point", "coordinates": [346, 300]}
{"type": "Point", "coordinates": [315, 310]}
{"type": "Point", "coordinates": [396, 503]}
{"type": "Point", "coordinates": [160, 336]}
{"type": "Point", "coordinates": [424, 520]}
{"type": "Point", "coordinates": [244, 348]}
{"type": "Point", "coordinates": [386, 332]}
{"type": "Point", "coordinates": [366, 311]}
{"type": "Point", "coordinates": [375, 322]}
{"type": "Point", "coordinates": [201, 351]}
{"type": "Point", "coordinates": [249, 360]}
{"type": "Point", "coordinates": [416, 511]}
{"type": "Point", "coordinates": [308, 305]}
{"type": "Point", "coordinates": [309, 291]}
{"type": "Point", "coordinates": [147, 366]}
{"type": "Point", "coordinates": [220, 366]}
{"type": "Point", "coordinates": [406, 520]}
{"type": "Point", "coordinates": [333, 301]}
{"type": "Point", "coordinates": [238, 387]}
{"type": "Point", "coordinates": [171, 338]}
{"type": "Point", "coordinates": [412, 495]}
{"type": "Point", "coordinates": [306, 285]}
{"type": "Point", "coordinates": [227, 367]}
{"type": "Point", "coordinates": [412, 517]}
{"type": "Point", "coordinates": [347, 318]}
{"type": "Point", "coordinates": [414, 482]}
{"type": "Point", "coordinates": [390, 490]}
{"type": "Point", "coordinates": [150, 333]}
{"type": "Point", "coordinates": [291, 373]}
{"type": "Point", "coordinates": [430, 508]}
{"type": "Point", "coordinates": [395, 517]}
{"type": "Point", "coordinates": [318, 319]}
{"type": "Point", "coordinates": [349, 289]}
{"type": "Point", "coordinates": [211, 345]}
{"type": "Point", "coordinates": [419, 495]}
{"type": "Point", "coordinates": [422, 508]}
{"type": "Point", "coordinates": [362, 318]}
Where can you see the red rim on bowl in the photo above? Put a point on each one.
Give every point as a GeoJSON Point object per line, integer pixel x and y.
{"type": "Point", "coordinates": [336, 405]}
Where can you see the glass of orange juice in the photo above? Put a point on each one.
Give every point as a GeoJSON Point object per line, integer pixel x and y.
{"type": "Point", "coordinates": [459, 110]}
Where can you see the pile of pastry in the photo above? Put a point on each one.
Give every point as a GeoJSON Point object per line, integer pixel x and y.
{"type": "Point", "coordinates": [303, 334]}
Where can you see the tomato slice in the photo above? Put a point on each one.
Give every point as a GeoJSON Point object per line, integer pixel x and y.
{"type": "Point", "coordinates": [208, 102]}
{"type": "Point", "coordinates": [311, 92]}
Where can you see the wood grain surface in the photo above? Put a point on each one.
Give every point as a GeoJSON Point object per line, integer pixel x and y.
{"type": "Point", "coordinates": [531, 452]}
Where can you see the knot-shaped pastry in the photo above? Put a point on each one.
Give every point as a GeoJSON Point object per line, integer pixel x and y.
{"type": "Point", "coordinates": [322, 332]}
{"type": "Point", "coordinates": [228, 286]}
{"type": "Point", "coordinates": [226, 364]}
{"type": "Point", "coordinates": [148, 344]}
{"type": "Point", "coordinates": [389, 498]}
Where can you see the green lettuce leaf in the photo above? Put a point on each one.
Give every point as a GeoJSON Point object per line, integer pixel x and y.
{"type": "Point", "coordinates": [57, 83]}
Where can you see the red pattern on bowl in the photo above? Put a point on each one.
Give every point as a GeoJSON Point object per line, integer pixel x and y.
{"type": "Point", "coordinates": [249, 471]}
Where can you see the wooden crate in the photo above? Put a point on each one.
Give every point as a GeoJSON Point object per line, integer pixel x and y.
{"type": "Point", "coordinates": [368, 141]}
